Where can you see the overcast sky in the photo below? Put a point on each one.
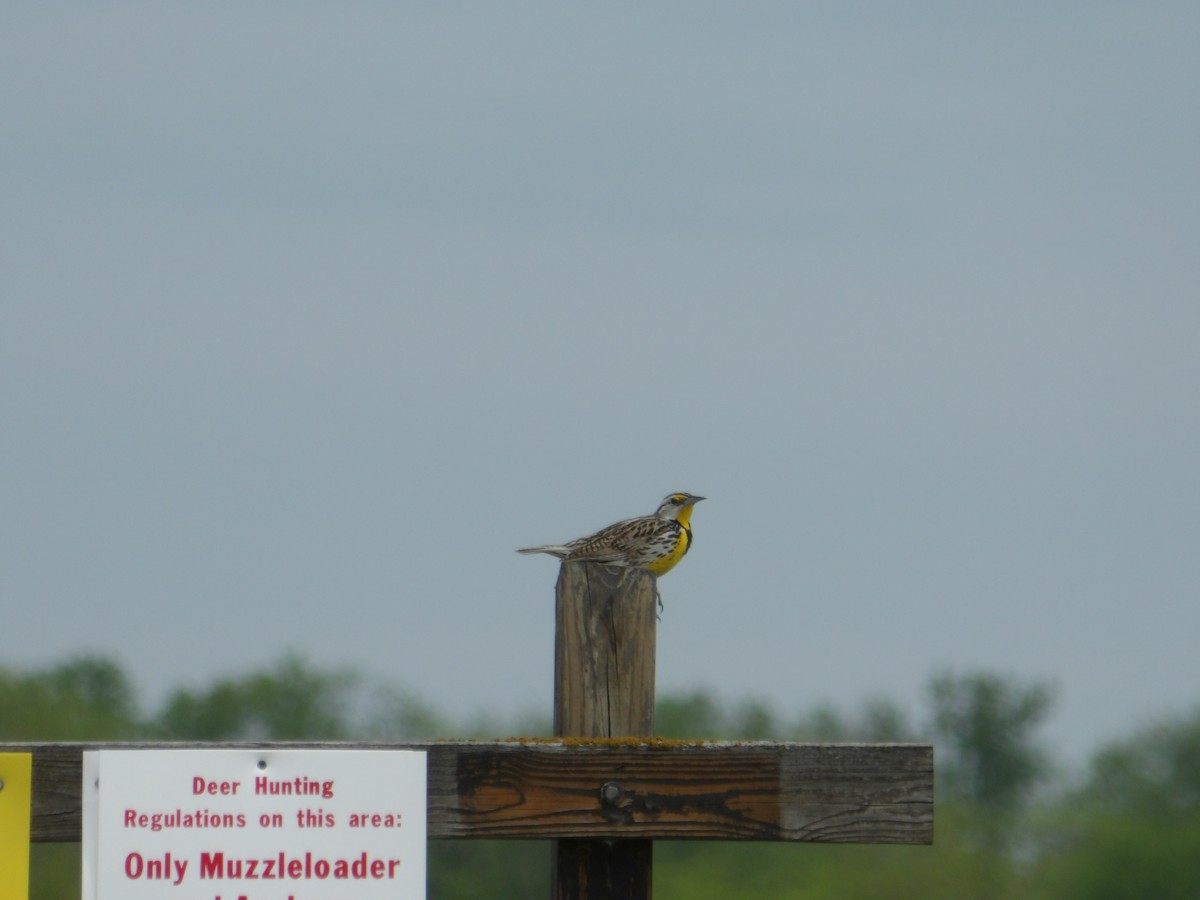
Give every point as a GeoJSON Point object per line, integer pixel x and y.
{"type": "Point", "coordinates": [313, 313]}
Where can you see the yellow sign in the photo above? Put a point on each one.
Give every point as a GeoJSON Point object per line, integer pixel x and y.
{"type": "Point", "coordinates": [16, 780]}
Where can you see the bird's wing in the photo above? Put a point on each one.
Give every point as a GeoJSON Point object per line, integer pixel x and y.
{"type": "Point", "coordinates": [612, 544]}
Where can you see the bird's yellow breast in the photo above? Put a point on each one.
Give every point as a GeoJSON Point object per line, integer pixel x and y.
{"type": "Point", "coordinates": [665, 563]}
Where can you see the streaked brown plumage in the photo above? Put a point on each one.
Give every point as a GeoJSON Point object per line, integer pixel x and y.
{"type": "Point", "coordinates": [654, 542]}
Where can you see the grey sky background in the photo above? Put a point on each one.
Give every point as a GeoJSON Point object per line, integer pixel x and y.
{"type": "Point", "coordinates": [313, 313]}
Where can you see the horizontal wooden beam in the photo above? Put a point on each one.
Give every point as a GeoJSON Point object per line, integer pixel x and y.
{"type": "Point", "coordinates": [610, 789]}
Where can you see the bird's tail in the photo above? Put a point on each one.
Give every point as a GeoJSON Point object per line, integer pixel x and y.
{"type": "Point", "coordinates": [553, 549]}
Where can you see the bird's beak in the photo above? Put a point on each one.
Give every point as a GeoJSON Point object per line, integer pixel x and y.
{"type": "Point", "coordinates": [693, 499]}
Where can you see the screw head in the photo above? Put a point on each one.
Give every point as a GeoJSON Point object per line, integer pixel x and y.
{"type": "Point", "coordinates": [611, 793]}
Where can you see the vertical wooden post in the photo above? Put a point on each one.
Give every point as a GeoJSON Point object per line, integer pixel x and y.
{"type": "Point", "coordinates": [604, 640]}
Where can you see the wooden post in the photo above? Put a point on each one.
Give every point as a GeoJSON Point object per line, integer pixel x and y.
{"type": "Point", "coordinates": [604, 648]}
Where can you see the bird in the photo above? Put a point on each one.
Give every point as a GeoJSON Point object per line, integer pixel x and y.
{"type": "Point", "coordinates": [656, 542]}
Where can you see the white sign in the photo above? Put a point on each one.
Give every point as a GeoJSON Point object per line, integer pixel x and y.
{"type": "Point", "coordinates": [254, 824]}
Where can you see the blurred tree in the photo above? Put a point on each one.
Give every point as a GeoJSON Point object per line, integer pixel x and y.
{"type": "Point", "coordinates": [1133, 829]}
{"type": "Point", "coordinates": [988, 765]}
{"type": "Point", "coordinates": [693, 715]}
{"type": "Point", "coordinates": [752, 720]}
{"type": "Point", "coordinates": [824, 724]}
{"type": "Point", "coordinates": [879, 720]}
{"type": "Point", "coordinates": [1156, 772]}
{"type": "Point", "coordinates": [883, 720]}
{"type": "Point", "coordinates": [700, 715]}
{"type": "Point", "coordinates": [290, 701]}
{"type": "Point", "coordinates": [985, 724]}
{"type": "Point", "coordinates": [89, 698]}
{"type": "Point", "coordinates": [396, 714]}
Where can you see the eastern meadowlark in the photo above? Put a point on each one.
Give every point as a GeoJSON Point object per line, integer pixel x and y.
{"type": "Point", "coordinates": [654, 542]}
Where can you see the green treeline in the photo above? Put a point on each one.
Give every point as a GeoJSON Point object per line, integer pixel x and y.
{"type": "Point", "coordinates": [1009, 822]}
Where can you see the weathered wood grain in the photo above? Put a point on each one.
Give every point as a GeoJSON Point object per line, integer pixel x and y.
{"type": "Point", "coordinates": [605, 790]}
{"type": "Point", "coordinates": [604, 654]}
{"type": "Point", "coordinates": [604, 651]}
{"type": "Point", "coordinates": [863, 793]}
